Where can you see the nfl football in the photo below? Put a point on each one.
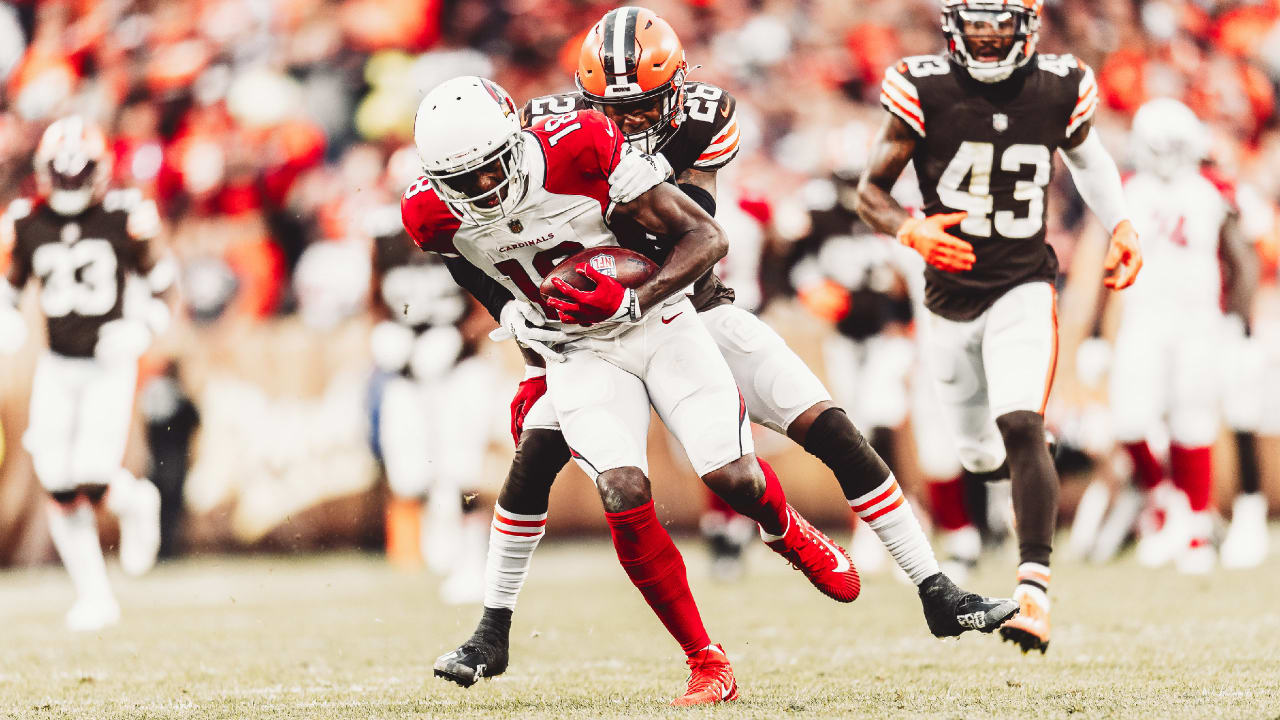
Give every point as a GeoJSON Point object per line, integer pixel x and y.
{"type": "Point", "coordinates": [629, 267]}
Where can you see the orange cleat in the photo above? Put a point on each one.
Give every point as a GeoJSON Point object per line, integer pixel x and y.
{"type": "Point", "coordinates": [825, 563]}
{"type": "Point", "coordinates": [710, 679]}
{"type": "Point", "coordinates": [1030, 627]}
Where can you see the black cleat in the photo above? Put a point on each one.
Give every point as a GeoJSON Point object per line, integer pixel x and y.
{"type": "Point", "coordinates": [950, 611]}
{"type": "Point", "coordinates": [483, 655]}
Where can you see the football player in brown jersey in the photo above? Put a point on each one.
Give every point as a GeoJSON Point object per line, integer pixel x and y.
{"type": "Point", "coordinates": [632, 68]}
{"type": "Point", "coordinates": [981, 123]}
{"type": "Point", "coordinates": [85, 246]}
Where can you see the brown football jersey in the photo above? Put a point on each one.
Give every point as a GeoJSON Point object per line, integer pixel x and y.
{"type": "Point", "coordinates": [987, 149]}
{"type": "Point", "coordinates": [706, 140]}
{"type": "Point", "coordinates": [81, 262]}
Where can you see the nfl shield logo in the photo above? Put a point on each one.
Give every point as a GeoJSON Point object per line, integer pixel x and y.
{"type": "Point", "coordinates": [604, 264]}
{"type": "Point", "coordinates": [1000, 122]}
{"type": "Point", "coordinates": [516, 226]}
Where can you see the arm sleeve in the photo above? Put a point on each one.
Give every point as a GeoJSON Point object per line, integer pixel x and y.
{"type": "Point", "coordinates": [483, 288]}
{"type": "Point", "coordinates": [1098, 180]}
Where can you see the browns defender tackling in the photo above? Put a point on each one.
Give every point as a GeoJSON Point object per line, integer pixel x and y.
{"type": "Point", "coordinates": [980, 124]}
{"type": "Point", "coordinates": [515, 204]}
{"type": "Point", "coordinates": [632, 68]}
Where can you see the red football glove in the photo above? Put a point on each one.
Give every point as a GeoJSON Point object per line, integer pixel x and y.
{"type": "Point", "coordinates": [527, 393]}
{"type": "Point", "coordinates": [939, 248]}
{"type": "Point", "coordinates": [607, 301]}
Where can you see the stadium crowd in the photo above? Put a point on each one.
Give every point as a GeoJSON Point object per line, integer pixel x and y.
{"type": "Point", "coordinates": [270, 133]}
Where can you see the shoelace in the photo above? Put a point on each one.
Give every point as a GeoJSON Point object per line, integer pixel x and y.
{"type": "Point", "coordinates": [806, 533]}
{"type": "Point", "coordinates": [703, 680]}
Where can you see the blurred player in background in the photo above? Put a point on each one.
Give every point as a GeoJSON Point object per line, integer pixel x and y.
{"type": "Point", "coordinates": [980, 124]}
{"type": "Point", "coordinates": [632, 68]}
{"type": "Point", "coordinates": [97, 261]}
{"type": "Point", "coordinates": [1167, 349]}
{"type": "Point", "coordinates": [868, 287]}
{"type": "Point", "coordinates": [436, 412]}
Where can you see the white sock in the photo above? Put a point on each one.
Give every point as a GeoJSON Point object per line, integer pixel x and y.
{"type": "Point", "coordinates": [1034, 576]}
{"type": "Point", "coordinates": [75, 535]}
{"type": "Point", "coordinates": [512, 540]}
{"type": "Point", "coordinates": [888, 513]}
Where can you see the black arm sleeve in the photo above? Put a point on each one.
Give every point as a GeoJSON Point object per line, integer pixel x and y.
{"type": "Point", "coordinates": [488, 291]}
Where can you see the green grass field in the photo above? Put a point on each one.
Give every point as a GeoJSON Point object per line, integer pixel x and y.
{"type": "Point", "coordinates": [344, 636]}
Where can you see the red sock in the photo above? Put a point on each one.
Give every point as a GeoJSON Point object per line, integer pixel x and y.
{"type": "Point", "coordinates": [1193, 473]}
{"type": "Point", "coordinates": [946, 504]}
{"type": "Point", "coordinates": [1146, 468]}
{"type": "Point", "coordinates": [717, 505]}
{"type": "Point", "coordinates": [656, 569]}
{"type": "Point", "coordinates": [771, 512]}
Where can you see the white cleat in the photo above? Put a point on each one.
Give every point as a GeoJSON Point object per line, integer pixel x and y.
{"type": "Point", "coordinates": [136, 502]}
{"type": "Point", "coordinates": [1087, 525]}
{"type": "Point", "coordinates": [1166, 545]}
{"type": "Point", "coordinates": [1247, 540]}
{"type": "Point", "coordinates": [1120, 523]}
{"type": "Point", "coordinates": [93, 614]}
{"type": "Point", "coordinates": [1198, 559]}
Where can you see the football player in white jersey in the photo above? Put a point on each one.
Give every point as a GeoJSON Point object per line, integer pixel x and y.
{"type": "Point", "coordinates": [94, 255]}
{"type": "Point", "coordinates": [1166, 359]}
{"type": "Point", "coordinates": [515, 203]}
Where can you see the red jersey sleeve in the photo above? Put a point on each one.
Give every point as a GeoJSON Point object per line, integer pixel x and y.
{"type": "Point", "coordinates": [427, 220]}
{"type": "Point", "coordinates": [581, 149]}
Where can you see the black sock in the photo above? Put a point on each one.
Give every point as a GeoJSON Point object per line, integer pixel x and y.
{"type": "Point", "coordinates": [1035, 483]}
{"type": "Point", "coordinates": [495, 623]}
{"type": "Point", "coordinates": [837, 443]}
{"type": "Point", "coordinates": [1247, 452]}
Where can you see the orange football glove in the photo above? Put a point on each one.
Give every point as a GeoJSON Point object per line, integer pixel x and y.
{"type": "Point", "coordinates": [1124, 257]}
{"type": "Point", "coordinates": [928, 236]}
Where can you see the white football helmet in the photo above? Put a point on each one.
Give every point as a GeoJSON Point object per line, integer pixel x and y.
{"type": "Point", "coordinates": [1168, 138]}
{"type": "Point", "coordinates": [463, 125]}
{"type": "Point", "coordinates": [72, 164]}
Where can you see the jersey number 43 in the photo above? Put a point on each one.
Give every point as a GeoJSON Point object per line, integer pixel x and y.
{"type": "Point", "coordinates": [975, 161]}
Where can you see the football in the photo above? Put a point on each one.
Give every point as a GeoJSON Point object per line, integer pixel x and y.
{"type": "Point", "coordinates": [629, 267]}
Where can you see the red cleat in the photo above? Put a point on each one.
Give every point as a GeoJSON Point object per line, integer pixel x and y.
{"type": "Point", "coordinates": [710, 679]}
{"type": "Point", "coordinates": [825, 563]}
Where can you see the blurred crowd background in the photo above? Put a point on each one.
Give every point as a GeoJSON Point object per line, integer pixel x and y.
{"type": "Point", "coordinates": [270, 132]}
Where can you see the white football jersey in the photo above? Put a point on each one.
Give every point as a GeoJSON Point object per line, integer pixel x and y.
{"type": "Point", "coordinates": [1180, 224]}
{"type": "Point", "coordinates": [570, 158]}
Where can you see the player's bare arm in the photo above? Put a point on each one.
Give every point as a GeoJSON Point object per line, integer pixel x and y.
{"type": "Point", "coordinates": [890, 152]}
{"type": "Point", "coordinates": [699, 178]}
{"type": "Point", "coordinates": [1240, 263]}
{"type": "Point", "coordinates": [698, 242]}
{"type": "Point", "coordinates": [892, 149]}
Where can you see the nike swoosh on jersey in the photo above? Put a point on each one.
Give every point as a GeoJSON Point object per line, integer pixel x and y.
{"type": "Point", "coordinates": [667, 321]}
